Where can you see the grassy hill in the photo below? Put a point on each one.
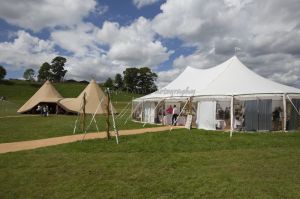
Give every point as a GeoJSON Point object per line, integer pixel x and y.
{"type": "Point", "coordinates": [18, 91]}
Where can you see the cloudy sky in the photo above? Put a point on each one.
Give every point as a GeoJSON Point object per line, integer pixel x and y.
{"type": "Point", "coordinates": [101, 38]}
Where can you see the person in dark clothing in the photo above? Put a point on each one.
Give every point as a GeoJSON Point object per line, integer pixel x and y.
{"type": "Point", "coordinates": [175, 115]}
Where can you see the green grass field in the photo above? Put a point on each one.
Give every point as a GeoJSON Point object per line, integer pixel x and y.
{"type": "Point", "coordinates": [35, 127]}
{"type": "Point", "coordinates": [180, 164]}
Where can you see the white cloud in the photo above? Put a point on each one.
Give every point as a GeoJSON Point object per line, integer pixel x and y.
{"type": "Point", "coordinates": [109, 49]}
{"type": "Point", "coordinates": [86, 68]}
{"type": "Point", "coordinates": [26, 51]}
{"type": "Point", "coordinates": [133, 45]}
{"type": "Point", "coordinates": [142, 3]}
{"type": "Point", "coordinates": [80, 40]}
{"type": "Point", "coordinates": [164, 77]}
{"type": "Point", "coordinates": [90, 50]}
{"type": "Point", "coordinates": [38, 14]}
{"type": "Point", "coordinates": [267, 32]}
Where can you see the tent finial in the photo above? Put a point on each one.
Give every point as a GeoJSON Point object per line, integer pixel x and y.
{"type": "Point", "coordinates": [236, 49]}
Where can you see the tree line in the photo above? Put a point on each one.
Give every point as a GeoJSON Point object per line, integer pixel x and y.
{"type": "Point", "coordinates": [135, 80]}
{"type": "Point", "coordinates": [54, 72]}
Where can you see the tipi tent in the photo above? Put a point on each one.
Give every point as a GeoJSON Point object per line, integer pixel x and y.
{"type": "Point", "coordinates": [46, 94]}
{"type": "Point", "coordinates": [230, 87]}
{"type": "Point", "coordinates": [93, 97]}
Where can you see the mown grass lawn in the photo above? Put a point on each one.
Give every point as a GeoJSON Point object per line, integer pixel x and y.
{"type": "Point", "coordinates": [14, 129]}
{"type": "Point", "coordinates": [180, 164]}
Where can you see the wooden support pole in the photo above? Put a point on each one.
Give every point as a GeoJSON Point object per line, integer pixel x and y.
{"type": "Point", "coordinates": [82, 118]}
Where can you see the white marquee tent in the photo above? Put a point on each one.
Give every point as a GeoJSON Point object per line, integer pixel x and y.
{"type": "Point", "coordinates": [230, 81]}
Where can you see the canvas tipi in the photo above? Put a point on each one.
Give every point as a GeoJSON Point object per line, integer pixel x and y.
{"type": "Point", "coordinates": [47, 94]}
{"type": "Point", "coordinates": [93, 96]}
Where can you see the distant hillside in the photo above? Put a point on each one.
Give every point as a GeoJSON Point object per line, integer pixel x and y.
{"type": "Point", "coordinates": [19, 91]}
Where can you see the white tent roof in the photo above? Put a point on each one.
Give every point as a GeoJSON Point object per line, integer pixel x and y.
{"type": "Point", "coordinates": [229, 78]}
{"type": "Point", "coordinates": [46, 94]}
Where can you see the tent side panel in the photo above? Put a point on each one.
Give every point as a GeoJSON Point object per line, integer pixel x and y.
{"type": "Point", "coordinates": [149, 112]}
{"type": "Point", "coordinates": [293, 123]}
{"type": "Point", "coordinates": [265, 115]}
{"type": "Point", "coordinates": [251, 116]}
{"type": "Point", "coordinates": [206, 115]}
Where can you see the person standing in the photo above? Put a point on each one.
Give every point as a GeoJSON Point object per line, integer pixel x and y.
{"type": "Point", "coordinates": [169, 110]}
{"type": "Point", "coordinates": [175, 115]}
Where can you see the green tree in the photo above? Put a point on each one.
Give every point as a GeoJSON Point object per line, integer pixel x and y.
{"type": "Point", "coordinates": [109, 83]}
{"type": "Point", "coordinates": [29, 74]}
{"type": "Point", "coordinates": [119, 81]}
{"type": "Point", "coordinates": [130, 79]}
{"type": "Point", "coordinates": [2, 72]}
{"type": "Point", "coordinates": [146, 80]}
{"type": "Point", "coordinates": [140, 80]}
{"type": "Point", "coordinates": [57, 68]}
{"type": "Point", "coordinates": [45, 72]}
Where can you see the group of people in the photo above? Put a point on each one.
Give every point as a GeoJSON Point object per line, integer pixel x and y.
{"type": "Point", "coordinates": [2, 98]}
{"type": "Point", "coordinates": [174, 111]}
{"type": "Point", "coordinates": [43, 109]}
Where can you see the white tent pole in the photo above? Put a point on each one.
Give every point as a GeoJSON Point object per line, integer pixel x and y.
{"type": "Point", "coordinates": [124, 113]}
{"type": "Point", "coordinates": [133, 111]}
{"type": "Point", "coordinates": [142, 111]}
{"type": "Point", "coordinates": [127, 107]}
{"type": "Point", "coordinates": [93, 119]}
{"type": "Point", "coordinates": [75, 126]}
{"type": "Point", "coordinates": [114, 123]}
{"type": "Point", "coordinates": [231, 116]}
{"type": "Point", "coordinates": [124, 109]}
{"type": "Point", "coordinates": [293, 104]}
{"type": "Point", "coordinates": [96, 125]}
{"type": "Point", "coordinates": [284, 112]}
{"type": "Point", "coordinates": [179, 115]}
{"type": "Point", "coordinates": [145, 121]}
{"type": "Point", "coordinates": [131, 107]}
{"type": "Point", "coordinates": [94, 114]}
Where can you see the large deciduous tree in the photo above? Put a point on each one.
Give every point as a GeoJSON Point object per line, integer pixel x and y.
{"type": "Point", "coordinates": [140, 80]}
{"type": "Point", "coordinates": [109, 83]}
{"type": "Point", "coordinates": [130, 79]}
{"type": "Point", "coordinates": [118, 82]}
{"type": "Point", "coordinates": [2, 72]}
{"type": "Point", "coordinates": [57, 68]}
{"type": "Point", "coordinates": [146, 80]}
{"type": "Point", "coordinates": [54, 72]}
{"type": "Point", "coordinates": [29, 74]}
{"type": "Point", "coordinates": [45, 72]}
